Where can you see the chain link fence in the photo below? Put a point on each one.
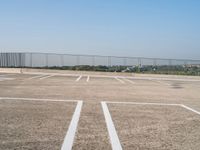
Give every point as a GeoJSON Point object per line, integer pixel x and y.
{"type": "Point", "coordinates": [60, 60]}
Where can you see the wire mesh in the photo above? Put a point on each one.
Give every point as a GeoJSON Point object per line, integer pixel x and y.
{"type": "Point", "coordinates": [59, 60]}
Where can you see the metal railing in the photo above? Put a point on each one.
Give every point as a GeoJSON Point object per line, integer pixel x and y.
{"type": "Point", "coordinates": [59, 60]}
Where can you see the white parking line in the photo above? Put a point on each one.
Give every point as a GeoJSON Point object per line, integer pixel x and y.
{"type": "Point", "coordinates": [38, 76]}
{"type": "Point", "coordinates": [138, 103]}
{"type": "Point", "coordinates": [129, 81]}
{"type": "Point", "coordinates": [4, 75]}
{"type": "Point", "coordinates": [88, 78]}
{"type": "Point", "coordinates": [114, 139]}
{"type": "Point", "coordinates": [191, 109]}
{"type": "Point", "coordinates": [158, 104]}
{"type": "Point", "coordinates": [36, 99]}
{"type": "Point", "coordinates": [45, 77]}
{"type": "Point", "coordinates": [69, 138]}
{"type": "Point", "coordinates": [78, 78]}
{"type": "Point", "coordinates": [3, 78]}
{"type": "Point", "coordinates": [121, 81]}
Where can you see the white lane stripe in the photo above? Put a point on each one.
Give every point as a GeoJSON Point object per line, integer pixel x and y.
{"type": "Point", "coordinates": [39, 76]}
{"type": "Point", "coordinates": [88, 78]}
{"type": "Point", "coordinates": [69, 138]}
{"type": "Point", "coordinates": [138, 103]}
{"type": "Point", "coordinates": [121, 81]}
{"type": "Point", "coordinates": [191, 109]}
{"type": "Point", "coordinates": [4, 75]}
{"type": "Point", "coordinates": [35, 99]}
{"type": "Point", "coordinates": [4, 79]}
{"type": "Point", "coordinates": [45, 77]}
{"type": "Point", "coordinates": [115, 143]}
{"type": "Point", "coordinates": [159, 104]}
{"type": "Point", "coordinates": [129, 81]}
{"type": "Point", "coordinates": [78, 78]}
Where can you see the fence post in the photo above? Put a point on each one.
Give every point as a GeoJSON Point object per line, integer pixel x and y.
{"type": "Point", "coordinates": [62, 60]}
{"type": "Point", "coordinates": [93, 61]}
{"type": "Point", "coordinates": [155, 62]}
{"type": "Point", "coordinates": [109, 61]}
{"type": "Point", "coordinates": [125, 61]}
{"type": "Point", "coordinates": [47, 61]}
{"type": "Point", "coordinates": [77, 60]}
{"type": "Point", "coordinates": [0, 59]}
{"type": "Point", "coordinates": [139, 62]}
{"type": "Point", "coordinates": [20, 60]}
{"type": "Point", "coordinates": [170, 62]}
{"type": "Point", "coordinates": [185, 62]}
{"type": "Point", "coordinates": [31, 60]}
{"type": "Point", "coordinates": [6, 59]}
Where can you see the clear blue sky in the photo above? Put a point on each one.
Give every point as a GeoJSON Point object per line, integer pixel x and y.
{"type": "Point", "coordinates": [149, 28]}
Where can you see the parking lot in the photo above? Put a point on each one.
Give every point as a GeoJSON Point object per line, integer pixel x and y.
{"type": "Point", "coordinates": [84, 110]}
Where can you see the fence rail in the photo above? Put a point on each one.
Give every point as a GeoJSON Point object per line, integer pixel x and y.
{"type": "Point", "coordinates": [59, 60]}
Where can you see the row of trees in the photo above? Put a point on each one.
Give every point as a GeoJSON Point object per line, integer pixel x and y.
{"type": "Point", "coordinates": [176, 70]}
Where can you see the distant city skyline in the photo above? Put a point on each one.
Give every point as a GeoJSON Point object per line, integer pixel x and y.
{"type": "Point", "coordinates": [153, 29]}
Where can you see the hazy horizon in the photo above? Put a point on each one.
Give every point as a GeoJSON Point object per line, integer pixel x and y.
{"type": "Point", "coordinates": [155, 29]}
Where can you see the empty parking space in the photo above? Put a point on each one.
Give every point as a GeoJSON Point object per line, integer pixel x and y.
{"type": "Point", "coordinates": [148, 82]}
{"type": "Point", "coordinates": [152, 126]}
{"type": "Point", "coordinates": [29, 123]}
{"type": "Point", "coordinates": [60, 79]}
{"type": "Point", "coordinates": [50, 79]}
{"type": "Point", "coordinates": [91, 133]}
{"type": "Point", "coordinates": [101, 80]}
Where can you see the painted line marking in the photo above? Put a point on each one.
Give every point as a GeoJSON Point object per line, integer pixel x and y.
{"type": "Point", "coordinates": [114, 139]}
{"type": "Point", "coordinates": [78, 78]}
{"type": "Point", "coordinates": [38, 76]}
{"type": "Point", "coordinates": [121, 81]}
{"type": "Point", "coordinates": [69, 138]}
{"type": "Point", "coordinates": [45, 77]}
{"type": "Point", "coordinates": [4, 78]}
{"type": "Point", "coordinates": [138, 103]}
{"type": "Point", "coordinates": [132, 82]}
{"type": "Point", "coordinates": [36, 99]}
{"type": "Point", "coordinates": [88, 78]}
{"type": "Point", "coordinates": [158, 104]}
{"type": "Point", "coordinates": [191, 109]}
{"type": "Point", "coordinates": [4, 75]}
